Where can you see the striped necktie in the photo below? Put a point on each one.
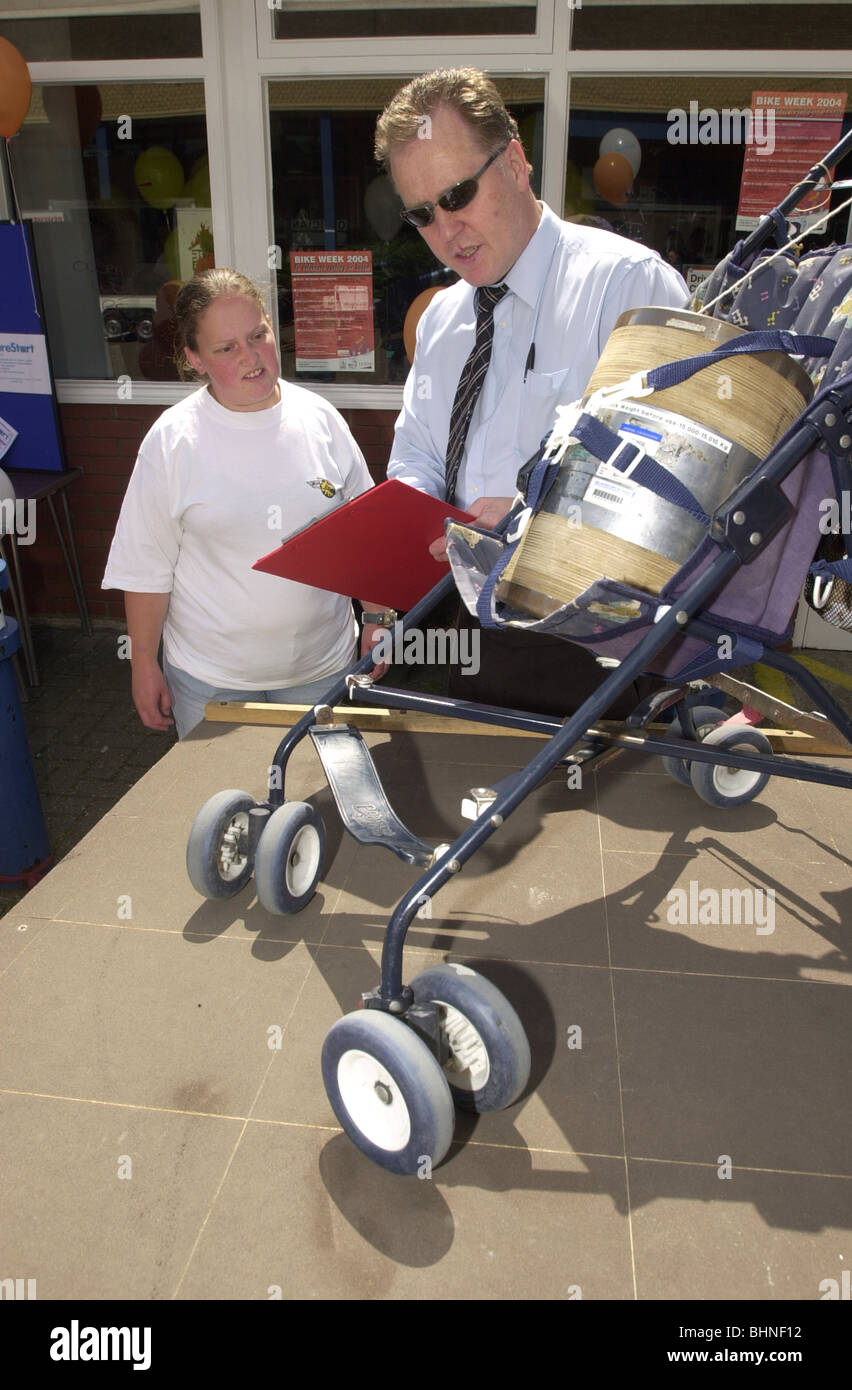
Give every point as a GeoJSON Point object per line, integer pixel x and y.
{"type": "Point", "coordinates": [470, 382]}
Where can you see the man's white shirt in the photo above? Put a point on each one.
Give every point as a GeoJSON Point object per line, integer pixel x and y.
{"type": "Point", "coordinates": [568, 287]}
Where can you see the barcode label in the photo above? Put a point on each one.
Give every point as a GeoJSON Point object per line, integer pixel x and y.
{"type": "Point", "coordinates": [605, 492]}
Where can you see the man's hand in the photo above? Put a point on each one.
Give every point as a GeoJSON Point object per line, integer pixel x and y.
{"type": "Point", "coordinates": [371, 633]}
{"type": "Point", "coordinates": [151, 696]}
{"type": "Point", "coordinates": [486, 512]}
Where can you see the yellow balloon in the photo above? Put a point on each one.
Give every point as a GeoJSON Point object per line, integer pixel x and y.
{"type": "Point", "coordinates": [159, 176]}
{"type": "Point", "coordinates": [576, 201]}
{"type": "Point", "coordinates": [197, 186]}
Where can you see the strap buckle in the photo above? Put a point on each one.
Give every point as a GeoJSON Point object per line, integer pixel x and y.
{"type": "Point", "coordinates": [520, 525]}
{"type": "Point", "coordinates": [634, 387]}
{"type": "Point", "coordinates": [562, 433]}
{"type": "Point", "coordinates": [629, 468]}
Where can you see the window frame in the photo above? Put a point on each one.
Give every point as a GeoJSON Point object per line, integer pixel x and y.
{"type": "Point", "coordinates": [455, 47]}
{"type": "Point", "coordinates": [240, 57]}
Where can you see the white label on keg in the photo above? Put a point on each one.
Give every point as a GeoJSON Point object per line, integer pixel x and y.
{"type": "Point", "coordinates": [679, 423]}
{"type": "Point", "coordinates": [609, 487]}
{"type": "Point", "coordinates": [606, 492]}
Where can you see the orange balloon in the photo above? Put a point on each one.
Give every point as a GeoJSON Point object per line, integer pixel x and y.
{"type": "Point", "coordinates": [15, 89]}
{"type": "Point", "coordinates": [412, 318]}
{"type": "Point", "coordinates": [613, 178]}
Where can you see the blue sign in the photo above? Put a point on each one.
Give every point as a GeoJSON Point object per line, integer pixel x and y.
{"type": "Point", "coordinates": [30, 432]}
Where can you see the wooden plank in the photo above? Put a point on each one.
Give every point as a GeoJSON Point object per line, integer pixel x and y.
{"type": "Point", "coordinates": [413, 722]}
{"type": "Point", "coordinates": [796, 741]}
{"type": "Point", "coordinates": [362, 716]}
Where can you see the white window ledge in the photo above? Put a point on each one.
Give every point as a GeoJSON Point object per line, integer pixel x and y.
{"type": "Point", "coordinates": [167, 393]}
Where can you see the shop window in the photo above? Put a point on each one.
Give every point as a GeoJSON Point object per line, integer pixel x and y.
{"type": "Point", "coordinates": [739, 24]}
{"type": "Point", "coordinates": [347, 19]}
{"type": "Point", "coordinates": [330, 197]}
{"type": "Point", "coordinates": [116, 182]}
{"type": "Point", "coordinates": [681, 196]}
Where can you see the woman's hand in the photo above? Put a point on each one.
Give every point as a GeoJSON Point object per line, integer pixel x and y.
{"type": "Point", "coordinates": [146, 614]}
{"type": "Point", "coordinates": [151, 696]}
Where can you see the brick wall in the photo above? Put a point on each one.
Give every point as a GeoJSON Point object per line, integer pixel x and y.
{"type": "Point", "coordinates": [103, 440]}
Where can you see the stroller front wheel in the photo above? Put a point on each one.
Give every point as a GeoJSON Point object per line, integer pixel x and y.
{"type": "Point", "coordinates": [388, 1092]}
{"type": "Point", "coordinates": [489, 1055]}
{"type": "Point", "coordinates": [289, 858]}
{"type": "Point", "coordinates": [217, 858]}
{"type": "Point", "coordinates": [731, 786]}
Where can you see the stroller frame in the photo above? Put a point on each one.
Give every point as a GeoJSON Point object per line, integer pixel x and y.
{"type": "Point", "coordinates": [761, 509]}
{"type": "Point", "coordinates": [575, 739]}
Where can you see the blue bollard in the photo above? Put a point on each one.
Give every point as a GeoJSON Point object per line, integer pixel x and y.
{"type": "Point", "coordinates": [24, 844]}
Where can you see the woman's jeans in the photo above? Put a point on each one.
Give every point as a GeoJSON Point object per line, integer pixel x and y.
{"type": "Point", "coordinates": [189, 696]}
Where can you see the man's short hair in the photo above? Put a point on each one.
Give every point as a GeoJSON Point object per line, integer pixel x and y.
{"type": "Point", "coordinates": [466, 90]}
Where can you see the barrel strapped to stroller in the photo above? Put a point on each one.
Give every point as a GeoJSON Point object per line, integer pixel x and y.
{"type": "Point", "coordinates": [754, 608]}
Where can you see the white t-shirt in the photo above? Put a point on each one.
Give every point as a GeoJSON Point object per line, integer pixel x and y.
{"type": "Point", "coordinates": [212, 491]}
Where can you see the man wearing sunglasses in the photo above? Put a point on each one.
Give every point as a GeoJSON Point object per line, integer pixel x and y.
{"type": "Point", "coordinates": [460, 170]}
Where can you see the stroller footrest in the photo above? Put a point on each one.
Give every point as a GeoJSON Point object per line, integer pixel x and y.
{"type": "Point", "coordinates": [360, 797]}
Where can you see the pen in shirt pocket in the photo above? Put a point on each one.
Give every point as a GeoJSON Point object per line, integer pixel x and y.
{"type": "Point", "coordinates": [530, 360]}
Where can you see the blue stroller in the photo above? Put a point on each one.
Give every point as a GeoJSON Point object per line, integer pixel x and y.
{"type": "Point", "coordinates": [395, 1069]}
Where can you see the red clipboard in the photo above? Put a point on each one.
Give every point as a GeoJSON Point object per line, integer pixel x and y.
{"type": "Point", "coordinates": [374, 547]}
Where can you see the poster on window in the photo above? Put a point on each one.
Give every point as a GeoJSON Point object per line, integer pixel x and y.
{"type": "Point", "coordinates": [333, 310]}
{"type": "Point", "coordinates": [785, 135]}
{"type": "Point", "coordinates": [30, 433]}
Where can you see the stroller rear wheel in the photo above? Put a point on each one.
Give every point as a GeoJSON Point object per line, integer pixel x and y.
{"type": "Point", "coordinates": [731, 786]}
{"type": "Point", "coordinates": [489, 1055]}
{"type": "Point", "coordinates": [705, 718]}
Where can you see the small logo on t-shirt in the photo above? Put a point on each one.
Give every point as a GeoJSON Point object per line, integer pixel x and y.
{"type": "Point", "coordinates": [326, 488]}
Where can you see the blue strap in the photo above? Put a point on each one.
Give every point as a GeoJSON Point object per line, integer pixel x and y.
{"type": "Point", "coordinates": [602, 443]}
{"type": "Point", "coordinates": [775, 340]}
{"type": "Point", "coordinates": [541, 480]}
{"type": "Point", "coordinates": [833, 569]}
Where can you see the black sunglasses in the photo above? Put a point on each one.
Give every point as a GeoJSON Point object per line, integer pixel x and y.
{"type": "Point", "coordinates": [453, 200]}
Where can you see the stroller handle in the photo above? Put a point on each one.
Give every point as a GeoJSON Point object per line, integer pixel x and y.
{"type": "Point", "coordinates": [766, 226]}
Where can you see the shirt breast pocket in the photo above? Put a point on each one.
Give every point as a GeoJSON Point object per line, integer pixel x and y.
{"type": "Point", "coordinates": [559, 386]}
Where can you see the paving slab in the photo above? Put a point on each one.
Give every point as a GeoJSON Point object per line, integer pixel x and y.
{"type": "Point", "coordinates": [144, 1021]}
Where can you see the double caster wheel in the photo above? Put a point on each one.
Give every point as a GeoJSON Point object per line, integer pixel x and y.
{"type": "Point", "coordinates": [717, 785]}
{"type": "Point", "coordinates": [287, 862]}
{"type": "Point", "coordinates": [705, 718]}
{"type": "Point", "coordinates": [388, 1089]}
